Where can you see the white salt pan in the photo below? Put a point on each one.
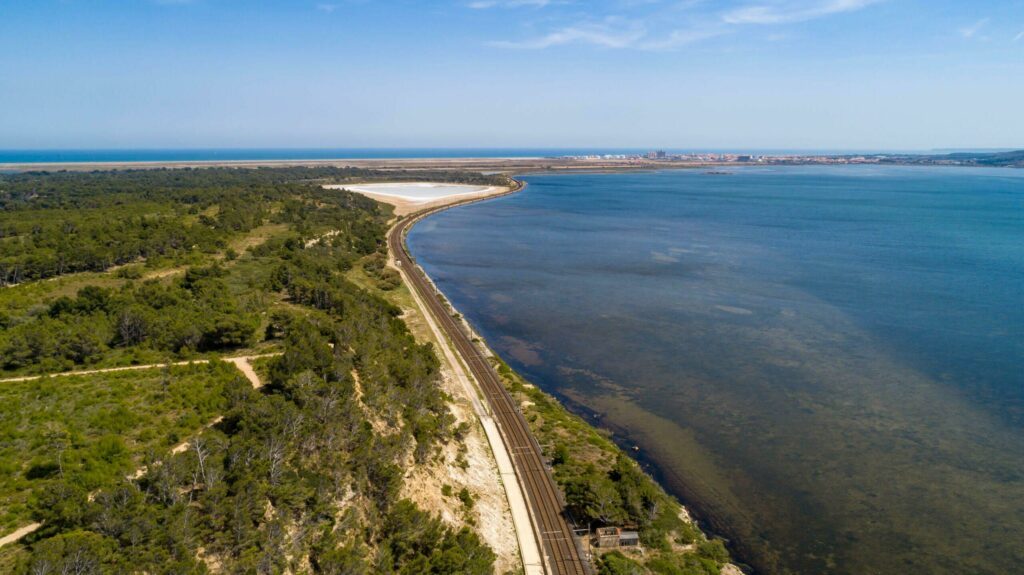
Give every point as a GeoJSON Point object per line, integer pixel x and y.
{"type": "Point", "coordinates": [415, 191]}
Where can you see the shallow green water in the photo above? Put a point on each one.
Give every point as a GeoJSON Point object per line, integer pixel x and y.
{"type": "Point", "coordinates": [825, 362]}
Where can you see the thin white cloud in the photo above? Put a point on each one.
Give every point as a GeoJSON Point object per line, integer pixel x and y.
{"type": "Point", "coordinates": [484, 4]}
{"type": "Point", "coordinates": [680, 38]}
{"type": "Point", "coordinates": [634, 36]}
{"type": "Point", "coordinates": [787, 12]}
{"type": "Point", "coordinates": [327, 7]}
{"type": "Point", "coordinates": [663, 37]}
{"type": "Point", "coordinates": [1019, 37]}
{"type": "Point", "coordinates": [971, 31]}
{"type": "Point", "coordinates": [596, 35]}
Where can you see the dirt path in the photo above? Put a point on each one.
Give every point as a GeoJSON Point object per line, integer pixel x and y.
{"type": "Point", "coordinates": [18, 534]}
{"type": "Point", "coordinates": [181, 447]}
{"type": "Point", "coordinates": [242, 363]}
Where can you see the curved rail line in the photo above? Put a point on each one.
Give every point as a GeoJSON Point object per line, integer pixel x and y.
{"type": "Point", "coordinates": [563, 553]}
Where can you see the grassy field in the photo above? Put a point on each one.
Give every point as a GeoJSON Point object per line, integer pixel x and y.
{"type": "Point", "coordinates": [32, 297]}
{"type": "Point", "coordinates": [96, 428]}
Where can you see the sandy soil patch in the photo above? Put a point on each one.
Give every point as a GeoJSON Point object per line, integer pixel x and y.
{"type": "Point", "coordinates": [490, 513]}
{"type": "Point", "coordinates": [16, 535]}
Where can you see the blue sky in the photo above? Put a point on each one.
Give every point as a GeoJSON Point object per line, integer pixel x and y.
{"type": "Point", "coordinates": [808, 74]}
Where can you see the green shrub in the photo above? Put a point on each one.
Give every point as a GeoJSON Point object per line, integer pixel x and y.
{"type": "Point", "coordinates": [615, 563]}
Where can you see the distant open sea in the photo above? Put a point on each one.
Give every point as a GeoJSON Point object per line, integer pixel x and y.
{"type": "Point", "coordinates": [827, 363]}
{"type": "Point", "coordinates": [267, 154]}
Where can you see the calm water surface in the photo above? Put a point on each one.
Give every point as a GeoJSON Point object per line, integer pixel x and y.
{"type": "Point", "coordinates": [825, 362]}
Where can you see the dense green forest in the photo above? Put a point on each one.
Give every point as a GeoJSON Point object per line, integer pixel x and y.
{"type": "Point", "coordinates": [54, 224]}
{"type": "Point", "coordinates": [57, 223]}
{"type": "Point", "coordinates": [196, 313]}
{"type": "Point", "coordinates": [295, 477]}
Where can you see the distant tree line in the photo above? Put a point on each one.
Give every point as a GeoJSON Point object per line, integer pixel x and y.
{"type": "Point", "coordinates": [64, 222]}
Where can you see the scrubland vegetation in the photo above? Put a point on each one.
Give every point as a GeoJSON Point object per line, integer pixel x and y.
{"type": "Point", "coordinates": [295, 477]}
{"type": "Point", "coordinates": [91, 430]}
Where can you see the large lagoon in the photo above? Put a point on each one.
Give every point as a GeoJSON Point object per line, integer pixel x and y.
{"type": "Point", "coordinates": [827, 363]}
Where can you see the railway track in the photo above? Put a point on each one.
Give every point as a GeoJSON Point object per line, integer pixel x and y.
{"type": "Point", "coordinates": [563, 554]}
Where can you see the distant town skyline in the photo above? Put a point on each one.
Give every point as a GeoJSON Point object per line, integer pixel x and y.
{"type": "Point", "coordinates": [738, 74]}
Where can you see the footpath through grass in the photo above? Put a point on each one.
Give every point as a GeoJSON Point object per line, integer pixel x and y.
{"type": "Point", "coordinates": [93, 429]}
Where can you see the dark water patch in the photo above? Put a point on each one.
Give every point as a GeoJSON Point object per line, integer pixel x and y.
{"type": "Point", "coordinates": [824, 361]}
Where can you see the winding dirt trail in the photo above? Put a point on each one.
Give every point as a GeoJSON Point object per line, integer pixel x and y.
{"type": "Point", "coordinates": [18, 534]}
{"type": "Point", "coordinates": [241, 362]}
